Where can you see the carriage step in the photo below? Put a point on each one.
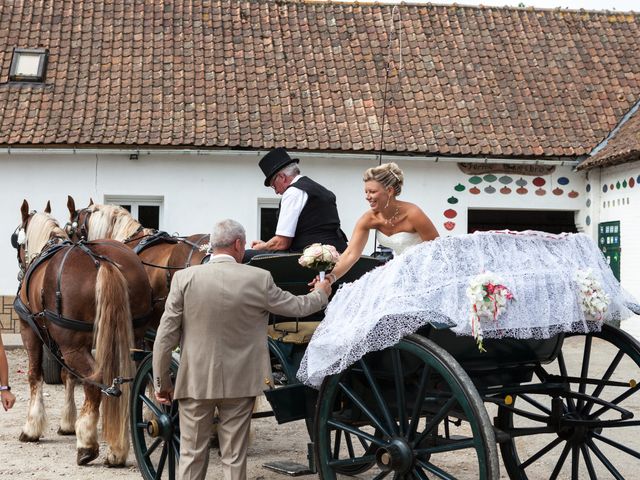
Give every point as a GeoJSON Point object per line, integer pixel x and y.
{"type": "Point", "coordinates": [287, 467]}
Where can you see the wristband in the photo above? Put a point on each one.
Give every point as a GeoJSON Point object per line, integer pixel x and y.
{"type": "Point", "coordinates": [5, 388]}
{"type": "Point", "coordinates": [331, 276]}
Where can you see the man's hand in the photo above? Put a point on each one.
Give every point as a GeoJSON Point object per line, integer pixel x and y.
{"type": "Point", "coordinates": [323, 285]}
{"type": "Point", "coordinates": [258, 245]}
{"type": "Point", "coordinates": [164, 397]}
{"type": "Point", "coordinates": [8, 399]}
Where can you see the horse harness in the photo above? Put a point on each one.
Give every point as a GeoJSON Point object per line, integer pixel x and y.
{"type": "Point", "coordinates": [36, 321]}
{"type": "Point", "coordinates": [157, 238]}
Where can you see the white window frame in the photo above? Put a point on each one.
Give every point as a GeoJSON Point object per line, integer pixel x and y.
{"type": "Point", "coordinates": [36, 77]}
{"type": "Point", "coordinates": [264, 202]}
{"type": "Point", "coordinates": [139, 200]}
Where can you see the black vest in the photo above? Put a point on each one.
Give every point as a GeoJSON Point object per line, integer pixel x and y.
{"type": "Point", "coordinates": [318, 221]}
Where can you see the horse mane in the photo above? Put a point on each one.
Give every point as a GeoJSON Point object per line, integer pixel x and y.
{"type": "Point", "coordinates": [41, 229]}
{"type": "Point", "coordinates": [111, 221]}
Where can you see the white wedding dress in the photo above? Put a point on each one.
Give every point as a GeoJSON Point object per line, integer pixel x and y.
{"type": "Point", "coordinates": [429, 281]}
{"type": "Point", "coordinates": [399, 242]}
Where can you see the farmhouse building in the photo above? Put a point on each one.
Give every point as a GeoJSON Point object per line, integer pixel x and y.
{"type": "Point", "coordinates": [167, 106]}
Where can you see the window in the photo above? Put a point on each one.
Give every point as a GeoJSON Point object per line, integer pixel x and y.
{"type": "Point", "coordinates": [28, 65]}
{"type": "Point", "coordinates": [146, 209]}
{"type": "Point", "coordinates": [267, 217]}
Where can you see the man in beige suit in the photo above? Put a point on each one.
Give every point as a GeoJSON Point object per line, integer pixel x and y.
{"type": "Point", "coordinates": [218, 314]}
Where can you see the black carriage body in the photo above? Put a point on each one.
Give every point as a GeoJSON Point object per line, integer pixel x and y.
{"type": "Point", "coordinates": [400, 409]}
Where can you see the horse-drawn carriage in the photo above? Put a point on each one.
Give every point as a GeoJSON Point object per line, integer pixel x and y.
{"type": "Point", "coordinates": [415, 409]}
{"type": "Point", "coordinates": [410, 410]}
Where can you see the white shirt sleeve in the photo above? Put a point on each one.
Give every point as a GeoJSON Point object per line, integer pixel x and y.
{"type": "Point", "coordinates": [293, 201]}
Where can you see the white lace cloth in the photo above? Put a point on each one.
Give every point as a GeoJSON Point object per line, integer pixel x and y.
{"type": "Point", "coordinates": [399, 242]}
{"type": "Point", "coordinates": [429, 281]}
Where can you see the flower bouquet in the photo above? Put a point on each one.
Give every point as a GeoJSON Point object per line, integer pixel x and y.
{"type": "Point", "coordinates": [319, 257]}
{"type": "Point", "coordinates": [488, 301]}
{"type": "Point", "coordinates": [593, 300]}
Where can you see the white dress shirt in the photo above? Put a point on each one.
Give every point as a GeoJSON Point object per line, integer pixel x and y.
{"type": "Point", "coordinates": [293, 201]}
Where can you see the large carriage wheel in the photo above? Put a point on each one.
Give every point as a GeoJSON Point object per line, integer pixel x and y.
{"type": "Point", "coordinates": [154, 427]}
{"type": "Point", "coordinates": [579, 425]}
{"type": "Point", "coordinates": [51, 369]}
{"type": "Point", "coordinates": [409, 412]}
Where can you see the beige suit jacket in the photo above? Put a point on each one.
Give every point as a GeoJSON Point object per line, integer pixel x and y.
{"type": "Point", "coordinates": [218, 314]}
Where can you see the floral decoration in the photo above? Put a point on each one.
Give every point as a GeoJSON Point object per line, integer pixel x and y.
{"type": "Point", "coordinates": [489, 300]}
{"type": "Point", "coordinates": [593, 299]}
{"type": "Point", "coordinates": [319, 257]}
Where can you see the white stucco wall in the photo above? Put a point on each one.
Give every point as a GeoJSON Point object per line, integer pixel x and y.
{"type": "Point", "coordinates": [620, 203]}
{"type": "Point", "coordinates": [199, 189]}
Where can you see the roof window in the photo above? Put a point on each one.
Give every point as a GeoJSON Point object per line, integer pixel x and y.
{"type": "Point", "coordinates": [28, 65]}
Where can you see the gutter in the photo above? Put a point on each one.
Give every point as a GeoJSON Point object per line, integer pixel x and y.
{"type": "Point", "coordinates": [372, 157]}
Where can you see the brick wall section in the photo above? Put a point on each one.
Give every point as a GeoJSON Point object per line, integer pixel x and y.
{"type": "Point", "coordinates": [9, 321]}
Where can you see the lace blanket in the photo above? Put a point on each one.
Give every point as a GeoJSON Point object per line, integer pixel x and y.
{"type": "Point", "coordinates": [429, 281]}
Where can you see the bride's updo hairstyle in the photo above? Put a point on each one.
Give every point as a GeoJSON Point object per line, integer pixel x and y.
{"type": "Point", "coordinates": [388, 175]}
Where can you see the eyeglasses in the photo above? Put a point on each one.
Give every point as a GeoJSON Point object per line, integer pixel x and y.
{"type": "Point", "coordinates": [272, 183]}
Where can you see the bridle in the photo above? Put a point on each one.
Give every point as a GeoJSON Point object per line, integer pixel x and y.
{"type": "Point", "coordinates": [19, 242]}
{"type": "Point", "coordinates": [80, 230]}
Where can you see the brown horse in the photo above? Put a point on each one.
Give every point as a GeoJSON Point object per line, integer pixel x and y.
{"type": "Point", "coordinates": [161, 253]}
{"type": "Point", "coordinates": [75, 297]}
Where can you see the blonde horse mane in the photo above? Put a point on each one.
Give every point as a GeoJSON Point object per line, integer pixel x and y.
{"type": "Point", "coordinates": [40, 230]}
{"type": "Point", "coordinates": [111, 221]}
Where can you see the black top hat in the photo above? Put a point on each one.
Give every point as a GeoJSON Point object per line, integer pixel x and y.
{"type": "Point", "coordinates": [273, 162]}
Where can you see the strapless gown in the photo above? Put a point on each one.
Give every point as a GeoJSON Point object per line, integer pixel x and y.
{"type": "Point", "coordinates": [399, 242]}
{"type": "Point", "coordinates": [432, 282]}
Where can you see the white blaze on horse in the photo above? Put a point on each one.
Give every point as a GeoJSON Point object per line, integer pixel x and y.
{"type": "Point", "coordinates": [75, 297]}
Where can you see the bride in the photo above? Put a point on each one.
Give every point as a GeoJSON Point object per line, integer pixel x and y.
{"type": "Point", "coordinates": [398, 225]}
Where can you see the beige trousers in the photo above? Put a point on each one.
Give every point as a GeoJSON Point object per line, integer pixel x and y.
{"type": "Point", "coordinates": [196, 421]}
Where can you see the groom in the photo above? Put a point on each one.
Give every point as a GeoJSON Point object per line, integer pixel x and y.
{"type": "Point", "coordinates": [307, 213]}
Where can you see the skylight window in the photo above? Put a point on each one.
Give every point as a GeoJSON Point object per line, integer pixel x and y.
{"type": "Point", "coordinates": [28, 65]}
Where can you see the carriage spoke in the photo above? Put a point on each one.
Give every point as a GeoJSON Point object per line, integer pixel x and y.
{"type": "Point", "coordinates": [587, 461]}
{"type": "Point", "coordinates": [560, 462]}
{"type": "Point", "coordinates": [378, 396]}
{"type": "Point", "coordinates": [575, 462]}
{"type": "Point", "coordinates": [419, 473]}
{"type": "Point", "coordinates": [356, 431]}
{"type": "Point", "coordinates": [417, 407]}
{"type": "Point", "coordinates": [436, 419]}
{"type": "Point", "coordinates": [151, 404]}
{"type": "Point", "coordinates": [586, 358]}
{"type": "Point", "coordinates": [563, 372]}
{"type": "Point", "coordinates": [602, 457]}
{"type": "Point", "coordinates": [398, 376]}
{"type": "Point", "coordinates": [607, 375]}
{"type": "Point", "coordinates": [172, 460]}
{"type": "Point", "coordinates": [617, 445]}
{"type": "Point", "coordinates": [430, 467]}
{"type": "Point", "coordinates": [347, 440]}
{"type": "Point", "coordinates": [363, 408]}
{"type": "Point", "coordinates": [535, 403]}
{"type": "Point", "coordinates": [163, 457]}
{"type": "Point", "coordinates": [337, 443]}
{"type": "Point", "coordinates": [152, 447]}
{"type": "Point", "coordinates": [540, 453]}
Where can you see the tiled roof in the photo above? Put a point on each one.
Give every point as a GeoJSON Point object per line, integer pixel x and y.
{"type": "Point", "coordinates": [622, 147]}
{"type": "Point", "coordinates": [311, 76]}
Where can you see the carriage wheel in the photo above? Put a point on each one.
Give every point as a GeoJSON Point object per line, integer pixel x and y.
{"type": "Point", "coordinates": [281, 369]}
{"type": "Point", "coordinates": [408, 412]}
{"type": "Point", "coordinates": [578, 421]}
{"type": "Point", "coordinates": [154, 427]}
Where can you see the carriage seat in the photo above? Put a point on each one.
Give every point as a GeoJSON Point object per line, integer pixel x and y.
{"type": "Point", "coordinates": [299, 333]}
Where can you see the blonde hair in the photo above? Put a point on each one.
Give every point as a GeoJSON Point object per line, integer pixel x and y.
{"type": "Point", "coordinates": [40, 230]}
{"type": "Point", "coordinates": [388, 175]}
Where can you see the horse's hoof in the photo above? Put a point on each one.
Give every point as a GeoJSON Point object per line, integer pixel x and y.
{"type": "Point", "coordinates": [27, 438]}
{"type": "Point", "coordinates": [65, 432]}
{"type": "Point", "coordinates": [108, 463]}
{"type": "Point", "coordinates": [85, 455]}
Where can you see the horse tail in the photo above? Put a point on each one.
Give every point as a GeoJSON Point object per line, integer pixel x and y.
{"type": "Point", "coordinates": [113, 341]}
